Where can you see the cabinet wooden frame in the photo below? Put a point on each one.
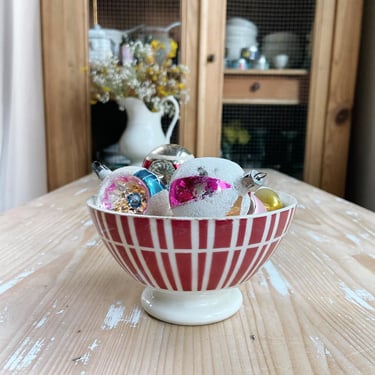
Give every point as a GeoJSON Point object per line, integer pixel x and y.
{"type": "Point", "coordinates": [66, 95]}
{"type": "Point", "coordinates": [336, 41]}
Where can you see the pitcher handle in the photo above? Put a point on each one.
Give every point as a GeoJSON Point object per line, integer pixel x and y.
{"type": "Point", "coordinates": [175, 117]}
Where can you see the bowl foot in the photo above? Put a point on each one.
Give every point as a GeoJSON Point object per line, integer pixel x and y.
{"type": "Point", "coordinates": [191, 308]}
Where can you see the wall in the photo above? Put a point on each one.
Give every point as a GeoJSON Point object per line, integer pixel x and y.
{"type": "Point", "coordinates": [361, 173]}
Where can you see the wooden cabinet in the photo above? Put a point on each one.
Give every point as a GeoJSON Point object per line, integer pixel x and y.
{"type": "Point", "coordinates": [329, 100]}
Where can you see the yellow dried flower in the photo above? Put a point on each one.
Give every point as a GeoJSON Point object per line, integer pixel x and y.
{"type": "Point", "coordinates": [150, 76]}
{"type": "Point", "coordinates": [172, 53]}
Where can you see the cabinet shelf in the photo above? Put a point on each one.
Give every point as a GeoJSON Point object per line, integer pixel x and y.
{"type": "Point", "coordinates": [267, 72]}
{"type": "Point", "coordinates": [273, 86]}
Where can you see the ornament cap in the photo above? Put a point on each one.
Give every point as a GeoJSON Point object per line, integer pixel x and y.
{"type": "Point", "coordinates": [101, 170]}
{"type": "Point", "coordinates": [253, 179]}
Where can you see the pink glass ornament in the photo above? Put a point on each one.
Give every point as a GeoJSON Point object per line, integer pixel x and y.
{"type": "Point", "coordinates": [126, 194]}
{"type": "Point", "coordinates": [194, 188]}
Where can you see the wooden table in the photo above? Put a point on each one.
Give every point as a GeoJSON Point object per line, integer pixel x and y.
{"type": "Point", "coordinates": [66, 307]}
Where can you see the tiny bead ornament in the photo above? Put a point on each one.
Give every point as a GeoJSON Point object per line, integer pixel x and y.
{"type": "Point", "coordinates": [175, 183]}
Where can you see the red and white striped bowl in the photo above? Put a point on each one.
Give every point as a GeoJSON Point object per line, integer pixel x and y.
{"type": "Point", "coordinates": [192, 254]}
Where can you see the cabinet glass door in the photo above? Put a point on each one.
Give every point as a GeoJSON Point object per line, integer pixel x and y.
{"type": "Point", "coordinates": [127, 21]}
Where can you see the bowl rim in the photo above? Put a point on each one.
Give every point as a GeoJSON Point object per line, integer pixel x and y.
{"type": "Point", "coordinates": [290, 202]}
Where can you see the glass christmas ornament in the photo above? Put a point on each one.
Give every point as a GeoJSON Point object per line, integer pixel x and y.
{"type": "Point", "coordinates": [165, 159]}
{"type": "Point", "coordinates": [269, 198]}
{"type": "Point", "coordinates": [127, 194]}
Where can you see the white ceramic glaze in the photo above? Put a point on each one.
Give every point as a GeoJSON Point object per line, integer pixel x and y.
{"type": "Point", "coordinates": [280, 61]}
{"type": "Point", "coordinates": [191, 308]}
{"type": "Point", "coordinates": [144, 130]}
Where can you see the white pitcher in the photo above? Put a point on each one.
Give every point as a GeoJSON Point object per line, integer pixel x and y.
{"type": "Point", "coordinates": [144, 130]}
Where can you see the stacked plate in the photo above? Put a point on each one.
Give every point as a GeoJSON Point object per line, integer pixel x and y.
{"type": "Point", "coordinates": [282, 43]}
{"type": "Point", "coordinates": [240, 33]}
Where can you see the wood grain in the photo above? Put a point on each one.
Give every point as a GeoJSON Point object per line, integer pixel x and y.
{"type": "Point", "coordinates": [341, 95]}
{"type": "Point", "coordinates": [333, 76]}
{"type": "Point", "coordinates": [264, 89]}
{"type": "Point", "coordinates": [210, 78]}
{"type": "Point", "coordinates": [66, 307]}
{"type": "Point", "coordinates": [189, 56]}
{"type": "Point", "coordinates": [268, 72]}
{"type": "Point", "coordinates": [319, 85]}
{"type": "Point", "coordinates": [68, 134]}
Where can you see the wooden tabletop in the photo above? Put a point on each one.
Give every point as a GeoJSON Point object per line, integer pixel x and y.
{"type": "Point", "coordinates": [66, 307]}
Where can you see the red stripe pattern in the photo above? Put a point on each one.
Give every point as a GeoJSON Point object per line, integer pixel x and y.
{"type": "Point", "coordinates": [196, 254]}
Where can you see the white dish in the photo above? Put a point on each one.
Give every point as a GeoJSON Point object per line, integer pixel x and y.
{"type": "Point", "coordinates": [230, 29]}
{"type": "Point", "coordinates": [282, 43]}
{"type": "Point", "coordinates": [239, 21]}
{"type": "Point", "coordinates": [294, 53]}
{"type": "Point", "coordinates": [281, 37]}
{"type": "Point", "coordinates": [280, 61]}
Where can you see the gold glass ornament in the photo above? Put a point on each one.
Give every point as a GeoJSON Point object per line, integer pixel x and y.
{"type": "Point", "coordinates": [269, 198]}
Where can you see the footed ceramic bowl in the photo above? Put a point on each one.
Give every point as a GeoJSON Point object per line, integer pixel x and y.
{"type": "Point", "coordinates": [192, 267]}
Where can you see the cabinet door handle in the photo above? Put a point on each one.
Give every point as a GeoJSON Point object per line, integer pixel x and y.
{"type": "Point", "coordinates": [342, 116]}
{"type": "Point", "coordinates": [211, 58]}
{"type": "Point", "coordinates": [255, 87]}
